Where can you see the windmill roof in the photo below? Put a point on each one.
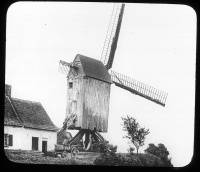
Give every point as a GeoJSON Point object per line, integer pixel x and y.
{"type": "Point", "coordinates": [26, 113]}
{"type": "Point", "coordinates": [94, 68]}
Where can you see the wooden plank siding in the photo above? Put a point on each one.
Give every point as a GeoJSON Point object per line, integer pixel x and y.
{"type": "Point", "coordinates": [89, 98]}
{"type": "Point", "coordinates": [75, 99]}
{"type": "Point", "coordinates": [96, 105]}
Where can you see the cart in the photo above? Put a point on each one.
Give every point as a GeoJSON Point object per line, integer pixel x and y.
{"type": "Point", "coordinates": [63, 150]}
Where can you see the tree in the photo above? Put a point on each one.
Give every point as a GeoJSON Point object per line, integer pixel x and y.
{"type": "Point", "coordinates": [130, 149]}
{"type": "Point", "coordinates": [160, 151]}
{"type": "Point", "coordinates": [135, 133]}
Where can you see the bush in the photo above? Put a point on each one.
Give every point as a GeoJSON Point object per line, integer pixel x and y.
{"type": "Point", "coordinates": [149, 160]}
{"type": "Point", "coordinates": [109, 159]}
{"type": "Point", "coordinates": [104, 147]}
{"type": "Point", "coordinates": [161, 152]}
{"type": "Point", "coordinates": [130, 160]}
{"type": "Point", "coordinates": [108, 156]}
{"type": "Point", "coordinates": [131, 150]}
{"type": "Point", "coordinates": [167, 162]}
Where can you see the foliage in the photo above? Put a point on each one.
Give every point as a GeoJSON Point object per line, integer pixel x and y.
{"type": "Point", "coordinates": [114, 159]}
{"type": "Point", "coordinates": [135, 133]}
{"type": "Point", "coordinates": [161, 152]}
{"type": "Point", "coordinates": [131, 150]}
{"type": "Point", "coordinates": [118, 159]}
{"type": "Point", "coordinates": [150, 160]}
{"type": "Point", "coordinates": [141, 160]}
{"type": "Point", "coordinates": [104, 147]}
{"type": "Point", "coordinates": [111, 158]}
{"type": "Point", "coordinates": [108, 156]}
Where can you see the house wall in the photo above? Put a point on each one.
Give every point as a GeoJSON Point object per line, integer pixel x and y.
{"type": "Point", "coordinates": [22, 138]}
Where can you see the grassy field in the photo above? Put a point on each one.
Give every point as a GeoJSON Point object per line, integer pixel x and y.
{"type": "Point", "coordinates": [84, 158]}
{"type": "Point", "coordinates": [31, 157]}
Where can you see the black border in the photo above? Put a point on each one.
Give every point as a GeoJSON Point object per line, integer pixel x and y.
{"type": "Point", "coordinates": [8, 165]}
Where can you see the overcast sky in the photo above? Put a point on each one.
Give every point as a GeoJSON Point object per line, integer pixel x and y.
{"type": "Point", "coordinates": [156, 46]}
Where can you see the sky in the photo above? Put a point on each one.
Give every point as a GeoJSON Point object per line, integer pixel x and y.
{"type": "Point", "coordinates": [156, 46]}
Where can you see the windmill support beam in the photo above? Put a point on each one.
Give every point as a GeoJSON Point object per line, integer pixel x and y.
{"type": "Point", "coordinates": [94, 134]}
{"type": "Point", "coordinates": [138, 93]}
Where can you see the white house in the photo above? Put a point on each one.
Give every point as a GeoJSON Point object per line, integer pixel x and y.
{"type": "Point", "coordinates": [27, 126]}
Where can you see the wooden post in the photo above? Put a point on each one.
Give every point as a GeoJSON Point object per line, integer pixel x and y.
{"type": "Point", "coordinates": [86, 138]}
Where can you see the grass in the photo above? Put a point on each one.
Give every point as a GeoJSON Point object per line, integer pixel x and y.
{"type": "Point", "coordinates": [86, 158]}
{"type": "Point", "coordinates": [38, 158]}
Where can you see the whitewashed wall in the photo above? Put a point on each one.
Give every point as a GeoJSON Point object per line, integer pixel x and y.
{"type": "Point", "coordinates": [22, 138]}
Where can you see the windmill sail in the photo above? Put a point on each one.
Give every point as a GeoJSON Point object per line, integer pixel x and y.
{"type": "Point", "coordinates": [139, 88]}
{"type": "Point", "coordinates": [110, 43]}
{"type": "Point", "coordinates": [64, 67]}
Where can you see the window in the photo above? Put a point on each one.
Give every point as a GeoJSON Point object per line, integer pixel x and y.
{"type": "Point", "coordinates": [8, 140]}
{"type": "Point", "coordinates": [70, 85]}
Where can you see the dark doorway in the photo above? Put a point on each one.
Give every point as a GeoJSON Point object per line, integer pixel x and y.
{"type": "Point", "coordinates": [34, 143]}
{"type": "Point", "coordinates": [44, 146]}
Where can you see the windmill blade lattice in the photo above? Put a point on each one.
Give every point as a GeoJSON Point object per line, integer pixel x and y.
{"type": "Point", "coordinates": [139, 88]}
{"type": "Point", "coordinates": [64, 67]}
{"type": "Point", "coordinates": [110, 43]}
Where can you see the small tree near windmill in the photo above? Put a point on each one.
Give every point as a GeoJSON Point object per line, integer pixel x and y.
{"type": "Point", "coordinates": [135, 133]}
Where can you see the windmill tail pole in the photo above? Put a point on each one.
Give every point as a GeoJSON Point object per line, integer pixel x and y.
{"type": "Point", "coordinates": [67, 123]}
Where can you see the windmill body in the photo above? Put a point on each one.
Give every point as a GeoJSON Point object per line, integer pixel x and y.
{"type": "Point", "coordinates": [88, 94]}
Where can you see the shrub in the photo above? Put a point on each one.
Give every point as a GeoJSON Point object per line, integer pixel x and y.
{"type": "Point", "coordinates": [131, 150]}
{"type": "Point", "coordinates": [109, 159]}
{"type": "Point", "coordinates": [105, 147]}
{"type": "Point", "coordinates": [161, 152]}
{"type": "Point", "coordinates": [130, 160]}
{"type": "Point", "coordinates": [108, 156]}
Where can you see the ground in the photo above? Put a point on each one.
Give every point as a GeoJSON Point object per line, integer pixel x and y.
{"type": "Point", "coordinates": [31, 157]}
{"type": "Point", "coordinates": [84, 158]}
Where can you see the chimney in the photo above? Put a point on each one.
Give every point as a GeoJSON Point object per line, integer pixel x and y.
{"type": "Point", "coordinates": [8, 90]}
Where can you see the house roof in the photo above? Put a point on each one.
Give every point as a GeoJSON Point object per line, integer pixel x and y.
{"type": "Point", "coordinates": [10, 117]}
{"type": "Point", "coordinates": [94, 68]}
{"type": "Point", "coordinates": [31, 114]}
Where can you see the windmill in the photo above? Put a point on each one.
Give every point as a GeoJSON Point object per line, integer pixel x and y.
{"type": "Point", "coordinates": [88, 90]}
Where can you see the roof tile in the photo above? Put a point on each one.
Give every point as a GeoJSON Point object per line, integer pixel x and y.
{"type": "Point", "coordinates": [26, 113]}
{"type": "Point", "coordinates": [10, 117]}
{"type": "Point", "coordinates": [33, 114]}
